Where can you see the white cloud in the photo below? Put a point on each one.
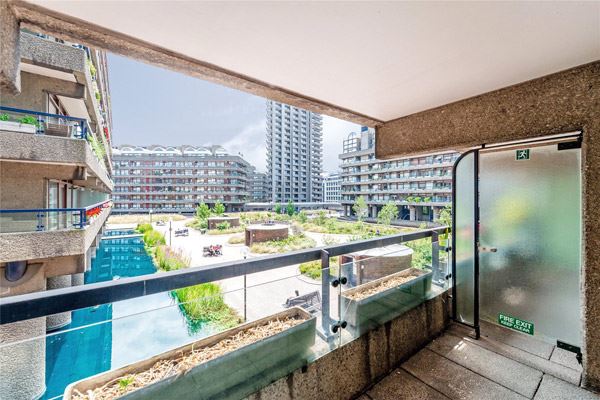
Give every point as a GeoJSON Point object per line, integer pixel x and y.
{"type": "Point", "coordinates": [251, 144]}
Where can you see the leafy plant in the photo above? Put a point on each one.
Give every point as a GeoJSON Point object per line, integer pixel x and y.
{"type": "Point", "coordinates": [321, 218]}
{"type": "Point", "coordinates": [97, 147]}
{"type": "Point", "coordinates": [312, 269]}
{"type": "Point", "coordinates": [92, 68]}
{"type": "Point", "coordinates": [29, 120]}
{"type": "Point", "coordinates": [302, 217]}
{"type": "Point", "coordinates": [126, 381]}
{"type": "Point", "coordinates": [168, 259]}
{"type": "Point", "coordinates": [223, 225]}
{"type": "Point", "coordinates": [153, 238]}
{"type": "Point", "coordinates": [295, 242]}
{"type": "Point", "coordinates": [143, 228]}
{"type": "Point", "coordinates": [360, 208]}
{"type": "Point", "coordinates": [388, 213]}
{"type": "Point", "coordinates": [4, 117]}
{"type": "Point", "coordinates": [290, 209]}
{"type": "Point", "coordinates": [427, 199]}
{"type": "Point", "coordinates": [202, 211]}
{"type": "Point", "coordinates": [98, 96]}
{"type": "Point", "coordinates": [205, 303]}
{"type": "Point", "coordinates": [218, 208]}
{"type": "Point", "coordinates": [236, 240]}
{"type": "Point", "coordinates": [277, 208]}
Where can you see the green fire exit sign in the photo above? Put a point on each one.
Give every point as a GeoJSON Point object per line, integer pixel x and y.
{"type": "Point", "coordinates": [515, 323]}
{"type": "Point", "coordinates": [522, 154]}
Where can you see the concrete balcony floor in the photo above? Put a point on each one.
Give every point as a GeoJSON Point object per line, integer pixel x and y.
{"type": "Point", "coordinates": [501, 365]}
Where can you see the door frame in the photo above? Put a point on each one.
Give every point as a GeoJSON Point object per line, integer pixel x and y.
{"type": "Point", "coordinates": [566, 137]}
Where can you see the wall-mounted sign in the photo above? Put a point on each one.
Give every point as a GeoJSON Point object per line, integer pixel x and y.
{"type": "Point", "coordinates": [515, 324]}
{"type": "Point", "coordinates": [522, 154]}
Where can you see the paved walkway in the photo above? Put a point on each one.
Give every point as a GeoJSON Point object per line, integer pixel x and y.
{"type": "Point", "coordinates": [501, 365]}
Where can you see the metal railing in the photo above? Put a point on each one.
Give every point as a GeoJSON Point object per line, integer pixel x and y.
{"type": "Point", "coordinates": [49, 219]}
{"type": "Point", "coordinates": [40, 304]}
{"type": "Point", "coordinates": [50, 124]}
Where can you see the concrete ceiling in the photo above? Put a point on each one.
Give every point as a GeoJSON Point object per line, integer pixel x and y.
{"type": "Point", "coordinates": [383, 60]}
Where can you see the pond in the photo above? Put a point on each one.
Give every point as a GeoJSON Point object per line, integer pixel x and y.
{"type": "Point", "coordinates": [112, 335]}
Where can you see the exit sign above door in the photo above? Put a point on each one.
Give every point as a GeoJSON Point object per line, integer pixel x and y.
{"type": "Point", "coordinates": [522, 154]}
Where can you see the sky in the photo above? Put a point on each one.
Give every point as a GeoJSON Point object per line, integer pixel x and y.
{"type": "Point", "coordinates": [151, 105]}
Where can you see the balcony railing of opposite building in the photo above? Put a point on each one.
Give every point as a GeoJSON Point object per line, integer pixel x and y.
{"type": "Point", "coordinates": [49, 219]}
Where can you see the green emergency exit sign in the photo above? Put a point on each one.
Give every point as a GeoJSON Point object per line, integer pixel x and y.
{"type": "Point", "coordinates": [515, 324]}
{"type": "Point", "coordinates": [522, 154]}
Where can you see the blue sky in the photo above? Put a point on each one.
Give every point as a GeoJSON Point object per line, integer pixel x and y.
{"type": "Point", "coordinates": [151, 105]}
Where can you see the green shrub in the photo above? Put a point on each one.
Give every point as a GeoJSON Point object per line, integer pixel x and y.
{"type": "Point", "coordinates": [236, 240]}
{"type": "Point", "coordinates": [218, 208]}
{"type": "Point", "coordinates": [223, 225]}
{"type": "Point", "coordinates": [29, 120]}
{"type": "Point", "coordinates": [168, 259]}
{"type": "Point", "coordinates": [302, 217]}
{"type": "Point", "coordinates": [143, 228]}
{"type": "Point", "coordinates": [294, 242]}
{"type": "Point", "coordinates": [4, 117]}
{"type": "Point", "coordinates": [153, 238]}
{"type": "Point", "coordinates": [312, 269]}
{"type": "Point", "coordinates": [205, 303]}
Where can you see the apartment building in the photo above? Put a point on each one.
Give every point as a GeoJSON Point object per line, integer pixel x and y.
{"type": "Point", "coordinates": [421, 186]}
{"type": "Point", "coordinates": [178, 178]}
{"type": "Point", "coordinates": [259, 186]}
{"type": "Point", "coordinates": [55, 175]}
{"type": "Point", "coordinates": [294, 154]}
{"type": "Point", "coordinates": [332, 187]}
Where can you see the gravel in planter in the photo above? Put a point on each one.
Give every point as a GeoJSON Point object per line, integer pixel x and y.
{"type": "Point", "coordinates": [166, 368]}
{"type": "Point", "coordinates": [380, 287]}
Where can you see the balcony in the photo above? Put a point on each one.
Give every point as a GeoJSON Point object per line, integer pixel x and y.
{"type": "Point", "coordinates": [30, 234]}
{"type": "Point", "coordinates": [28, 136]}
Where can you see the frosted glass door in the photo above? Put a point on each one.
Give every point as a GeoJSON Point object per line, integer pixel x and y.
{"type": "Point", "coordinates": [530, 238]}
{"type": "Point", "coordinates": [464, 237]}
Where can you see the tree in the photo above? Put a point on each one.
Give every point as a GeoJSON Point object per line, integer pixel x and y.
{"type": "Point", "coordinates": [360, 208]}
{"type": "Point", "coordinates": [290, 209]}
{"type": "Point", "coordinates": [218, 208]}
{"type": "Point", "coordinates": [387, 214]}
{"type": "Point", "coordinates": [445, 217]}
{"type": "Point", "coordinates": [202, 211]}
{"type": "Point", "coordinates": [277, 208]}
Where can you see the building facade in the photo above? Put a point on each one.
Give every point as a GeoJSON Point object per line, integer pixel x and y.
{"type": "Point", "coordinates": [420, 186]}
{"type": "Point", "coordinates": [259, 186]}
{"type": "Point", "coordinates": [332, 187]}
{"type": "Point", "coordinates": [55, 175]}
{"type": "Point", "coordinates": [294, 154]}
{"type": "Point", "coordinates": [177, 179]}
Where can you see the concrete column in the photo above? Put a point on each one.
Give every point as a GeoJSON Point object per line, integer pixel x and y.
{"type": "Point", "coordinates": [413, 213]}
{"type": "Point", "coordinates": [23, 365]}
{"type": "Point", "coordinates": [373, 211]}
{"type": "Point", "coordinates": [436, 213]}
{"type": "Point", "coordinates": [57, 321]}
{"type": "Point", "coordinates": [10, 52]}
{"type": "Point", "coordinates": [77, 279]}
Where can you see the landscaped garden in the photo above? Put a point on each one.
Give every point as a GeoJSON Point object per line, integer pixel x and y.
{"type": "Point", "coordinates": [143, 218]}
{"type": "Point", "coordinates": [203, 303]}
{"type": "Point", "coordinates": [291, 243]}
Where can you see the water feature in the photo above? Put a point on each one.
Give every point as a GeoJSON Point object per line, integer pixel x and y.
{"type": "Point", "coordinates": [112, 335]}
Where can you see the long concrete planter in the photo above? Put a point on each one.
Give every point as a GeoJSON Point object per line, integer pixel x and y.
{"type": "Point", "coordinates": [231, 376]}
{"type": "Point", "coordinates": [373, 311]}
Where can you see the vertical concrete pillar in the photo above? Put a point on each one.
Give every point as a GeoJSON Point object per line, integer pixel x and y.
{"type": "Point", "coordinates": [10, 52]}
{"type": "Point", "coordinates": [58, 321]}
{"type": "Point", "coordinates": [436, 213]}
{"type": "Point", "coordinates": [23, 365]}
{"type": "Point", "coordinates": [413, 213]}
{"type": "Point", "coordinates": [77, 279]}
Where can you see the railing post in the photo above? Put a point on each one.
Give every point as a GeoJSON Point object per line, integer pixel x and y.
{"type": "Point", "coordinates": [438, 276]}
{"type": "Point", "coordinates": [325, 293]}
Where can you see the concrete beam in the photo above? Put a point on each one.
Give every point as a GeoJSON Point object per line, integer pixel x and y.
{"type": "Point", "coordinates": [69, 28]}
{"type": "Point", "coordinates": [10, 72]}
{"type": "Point", "coordinates": [564, 102]}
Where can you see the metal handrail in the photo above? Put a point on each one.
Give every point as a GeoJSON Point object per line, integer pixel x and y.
{"type": "Point", "coordinates": [83, 123]}
{"type": "Point", "coordinates": [40, 304]}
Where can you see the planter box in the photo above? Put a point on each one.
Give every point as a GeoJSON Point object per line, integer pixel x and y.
{"type": "Point", "coordinates": [373, 311]}
{"type": "Point", "coordinates": [231, 376]}
{"type": "Point", "coordinates": [17, 127]}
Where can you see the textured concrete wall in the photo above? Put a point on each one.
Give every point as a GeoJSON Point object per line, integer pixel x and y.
{"type": "Point", "coordinates": [255, 235]}
{"type": "Point", "coordinates": [214, 221]}
{"type": "Point", "coordinates": [349, 370]}
{"type": "Point", "coordinates": [52, 54]}
{"type": "Point", "coordinates": [10, 74]}
{"type": "Point", "coordinates": [43, 149]}
{"type": "Point", "coordinates": [57, 321]}
{"type": "Point", "coordinates": [35, 89]}
{"type": "Point", "coordinates": [558, 103]}
{"type": "Point", "coordinates": [23, 365]}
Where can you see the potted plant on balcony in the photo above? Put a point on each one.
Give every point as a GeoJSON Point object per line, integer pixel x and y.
{"type": "Point", "coordinates": [231, 364]}
{"type": "Point", "coordinates": [26, 124]}
{"type": "Point", "coordinates": [372, 304]}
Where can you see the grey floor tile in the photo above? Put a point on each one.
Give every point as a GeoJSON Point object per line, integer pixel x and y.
{"type": "Point", "coordinates": [566, 358]}
{"type": "Point", "coordinates": [400, 385]}
{"type": "Point", "coordinates": [454, 380]}
{"type": "Point", "coordinates": [502, 370]}
{"type": "Point", "coordinates": [516, 339]}
{"type": "Point", "coordinates": [552, 388]}
{"type": "Point", "coordinates": [557, 370]}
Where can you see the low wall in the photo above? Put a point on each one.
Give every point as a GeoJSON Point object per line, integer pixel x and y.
{"type": "Point", "coordinates": [214, 221]}
{"type": "Point", "coordinates": [348, 371]}
{"type": "Point", "coordinates": [264, 233]}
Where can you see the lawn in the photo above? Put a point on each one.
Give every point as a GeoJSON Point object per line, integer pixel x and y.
{"type": "Point", "coordinates": [312, 269]}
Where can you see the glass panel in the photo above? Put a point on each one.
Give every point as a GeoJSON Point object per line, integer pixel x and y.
{"type": "Point", "coordinates": [531, 213]}
{"type": "Point", "coordinates": [464, 207]}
